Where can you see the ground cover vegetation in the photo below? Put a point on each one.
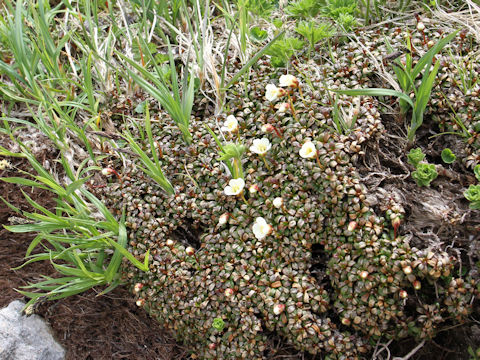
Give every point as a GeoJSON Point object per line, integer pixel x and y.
{"type": "Point", "coordinates": [253, 169]}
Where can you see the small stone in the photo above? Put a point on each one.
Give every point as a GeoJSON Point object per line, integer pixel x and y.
{"type": "Point", "coordinates": [26, 338]}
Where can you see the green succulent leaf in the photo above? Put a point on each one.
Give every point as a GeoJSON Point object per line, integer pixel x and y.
{"type": "Point", "coordinates": [425, 174]}
{"type": "Point", "coordinates": [476, 170]}
{"type": "Point", "coordinates": [448, 156]}
{"type": "Point", "coordinates": [218, 324]}
{"type": "Point", "coordinates": [415, 156]}
{"type": "Point", "coordinates": [472, 194]}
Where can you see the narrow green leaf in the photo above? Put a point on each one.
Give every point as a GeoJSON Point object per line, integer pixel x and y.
{"type": "Point", "coordinates": [427, 58]}
{"type": "Point", "coordinates": [23, 181]}
{"type": "Point", "coordinates": [129, 256]}
{"type": "Point", "coordinates": [116, 260]}
{"type": "Point", "coordinates": [253, 60]}
{"type": "Point", "coordinates": [376, 92]}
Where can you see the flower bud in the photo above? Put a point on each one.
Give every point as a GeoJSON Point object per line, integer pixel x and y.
{"type": "Point", "coordinates": [190, 251]}
{"type": "Point", "coordinates": [364, 274]}
{"type": "Point", "coordinates": [222, 220]}
{"type": "Point", "coordinates": [352, 225]}
{"type": "Point", "coordinates": [137, 287]}
{"type": "Point", "coordinates": [278, 309]}
{"type": "Point", "coordinates": [283, 108]}
{"type": "Point", "coordinates": [229, 292]}
{"type": "Point", "coordinates": [289, 80]}
{"type": "Point", "coordinates": [278, 202]}
{"type": "Point", "coordinates": [267, 128]}
{"type": "Point", "coordinates": [396, 221]}
{"type": "Point", "coordinates": [212, 346]}
{"type": "Point", "coordinates": [253, 189]}
{"type": "Point", "coordinates": [420, 26]}
{"type": "Point", "coordinates": [170, 243]}
{"type": "Point", "coordinates": [417, 285]}
{"type": "Point", "coordinates": [403, 294]}
{"type": "Point", "coordinates": [107, 171]}
{"type": "Point", "coordinates": [407, 270]}
{"type": "Point", "coordinates": [140, 302]}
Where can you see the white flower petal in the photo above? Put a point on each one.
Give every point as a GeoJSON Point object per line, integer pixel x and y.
{"type": "Point", "coordinates": [261, 229]}
{"type": "Point", "coordinates": [234, 187]}
{"type": "Point", "coordinates": [308, 150]}
{"type": "Point", "coordinates": [288, 80]}
{"type": "Point", "coordinates": [260, 146]}
{"type": "Point", "coordinates": [231, 124]}
{"type": "Point", "coordinates": [273, 93]}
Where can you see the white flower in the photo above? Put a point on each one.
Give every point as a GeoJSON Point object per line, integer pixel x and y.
{"type": "Point", "coordinates": [260, 146]}
{"type": "Point", "coordinates": [278, 202]}
{"type": "Point", "coordinates": [234, 187]}
{"type": "Point", "coordinates": [261, 229]}
{"type": "Point", "coordinates": [273, 93]}
{"type": "Point", "coordinates": [288, 80]}
{"type": "Point", "coordinates": [308, 150]}
{"type": "Point", "coordinates": [231, 124]}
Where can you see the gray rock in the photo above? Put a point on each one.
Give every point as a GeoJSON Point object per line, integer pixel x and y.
{"type": "Point", "coordinates": [26, 338]}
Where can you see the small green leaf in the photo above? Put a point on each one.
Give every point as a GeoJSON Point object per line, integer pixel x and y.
{"type": "Point", "coordinates": [231, 150]}
{"type": "Point", "coordinates": [476, 170]}
{"type": "Point", "coordinates": [140, 108]}
{"type": "Point", "coordinates": [448, 156]}
{"type": "Point", "coordinates": [257, 34]}
{"type": "Point", "coordinates": [218, 324]}
{"type": "Point", "coordinates": [425, 174]}
{"type": "Point", "coordinates": [304, 8]}
{"type": "Point", "coordinates": [277, 23]}
{"type": "Point", "coordinates": [472, 194]}
{"type": "Point", "coordinates": [415, 156]}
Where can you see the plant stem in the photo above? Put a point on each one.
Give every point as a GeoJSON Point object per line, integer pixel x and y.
{"type": "Point", "coordinates": [318, 161]}
{"type": "Point", "coordinates": [266, 164]}
{"type": "Point", "coordinates": [292, 109]}
{"type": "Point", "coordinates": [243, 198]}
